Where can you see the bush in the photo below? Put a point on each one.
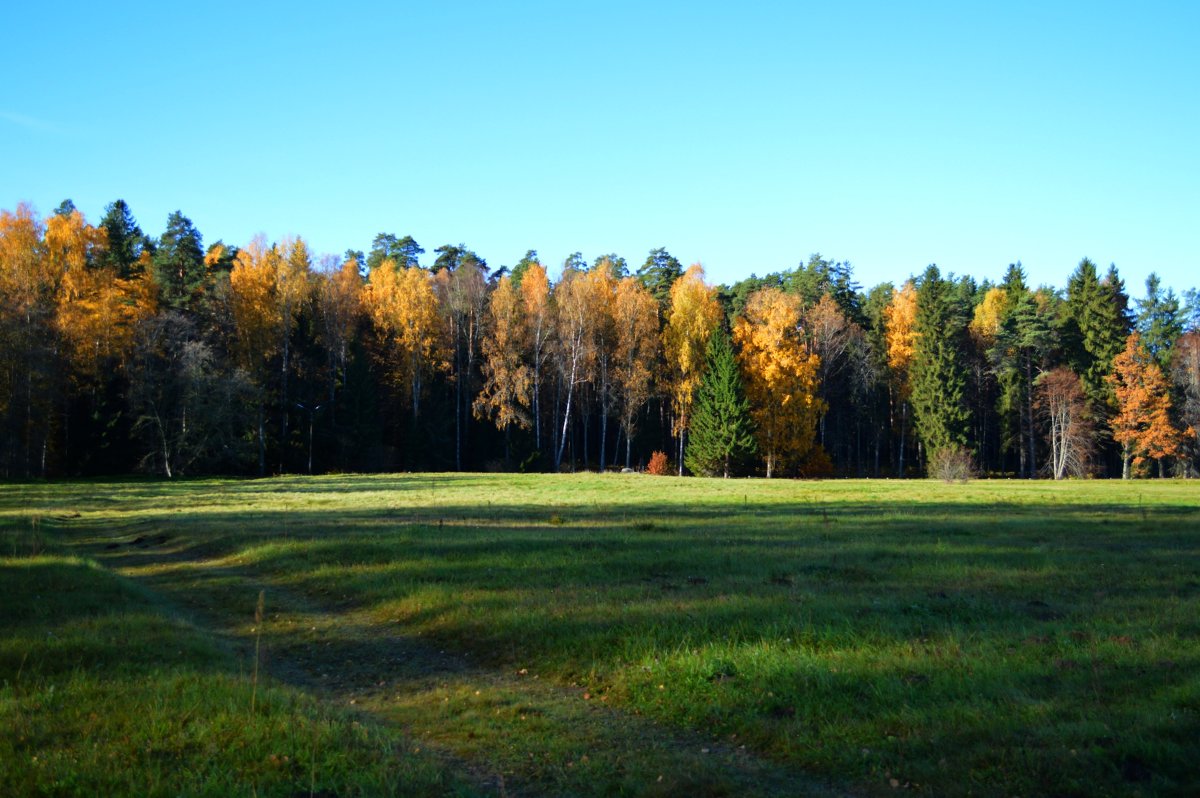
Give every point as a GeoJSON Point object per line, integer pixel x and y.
{"type": "Point", "coordinates": [658, 465]}
{"type": "Point", "coordinates": [951, 464]}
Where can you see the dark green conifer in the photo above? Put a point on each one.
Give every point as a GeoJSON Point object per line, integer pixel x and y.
{"type": "Point", "coordinates": [939, 373]}
{"type": "Point", "coordinates": [721, 435]}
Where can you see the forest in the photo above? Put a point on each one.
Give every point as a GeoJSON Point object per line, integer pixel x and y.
{"type": "Point", "coordinates": [124, 353]}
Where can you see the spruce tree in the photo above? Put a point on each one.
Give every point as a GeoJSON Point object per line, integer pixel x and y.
{"type": "Point", "coordinates": [126, 241]}
{"type": "Point", "coordinates": [721, 435]}
{"type": "Point", "coordinates": [939, 373]}
{"type": "Point", "coordinates": [1159, 321]}
{"type": "Point", "coordinates": [1098, 326]}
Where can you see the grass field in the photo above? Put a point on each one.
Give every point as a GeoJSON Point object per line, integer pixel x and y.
{"type": "Point", "coordinates": [599, 635]}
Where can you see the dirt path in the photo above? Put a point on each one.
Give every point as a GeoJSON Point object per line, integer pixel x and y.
{"type": "Point", "coordinates": [512, 734]}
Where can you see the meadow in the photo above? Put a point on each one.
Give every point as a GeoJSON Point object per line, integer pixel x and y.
{"type": "Point", "coordinates": [599, 634]}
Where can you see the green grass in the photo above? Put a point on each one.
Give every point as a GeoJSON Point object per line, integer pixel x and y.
{"type": "Point", "coordinates": [602, 634]}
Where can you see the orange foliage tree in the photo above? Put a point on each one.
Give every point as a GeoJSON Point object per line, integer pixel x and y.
{"type": "Point", "coordinates": [1142, 425]}
{"type": "Point", "coordinates": [780, 377]}
{"type": "Point", "coordinates": [635, 313]}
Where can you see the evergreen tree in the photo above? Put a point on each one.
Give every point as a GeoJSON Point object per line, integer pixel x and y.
{"type": "Point", "coordinates": [1023, 342]}
{"type": "Point", "coordinates": [1099, 323]}
{"type": "Point", "coordinates": [405, 252]}
{"type": "Point", "coordinates": [126, 241]}
{"type": "Point", "coordinates": [721, 435]}
{"type": "Point", "coordinates": [179, 261]}
{"type": "Point", "coordinates": [518, 271]}
{"type": "Point", "coordinates": [616, 264]}
{"type": "Point", "coordinates": [659, 273]}
{"type": "Point", "coordinates": [939, 375]}
{"type": "Point", "coordinates": [1159, 320]}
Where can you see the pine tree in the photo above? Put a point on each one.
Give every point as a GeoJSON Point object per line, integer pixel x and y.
{"type": "Point", "coordinates": [658, 274]}
{"type": "Point", "coordinates": [721, 435]}
{"type": "Point", "coordinates": [939, 377]}
{"type": "Point", "coordinates": [179, 261]}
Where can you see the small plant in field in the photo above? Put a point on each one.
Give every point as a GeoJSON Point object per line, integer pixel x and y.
{"type": "Point", "coordinates": [556, 520]}
{"type": "Point", "coordinates": [258, 622]}
{"type": "Point", "coordinates": [951, 464]}
{"type": "Point", "coordinates": [658, 465]}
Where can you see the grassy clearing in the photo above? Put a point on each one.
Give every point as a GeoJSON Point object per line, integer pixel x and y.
{"type": "Point", "coordinates": [617, 634]}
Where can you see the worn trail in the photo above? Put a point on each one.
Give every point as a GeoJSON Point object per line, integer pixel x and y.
{"type": "Point", "coordinates": [511, 733]}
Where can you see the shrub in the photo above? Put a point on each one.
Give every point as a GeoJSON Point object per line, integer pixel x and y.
{"type": "Point", "coordinates": [658, 465]}
{"type": "Point", "coordinates": [951, 464]}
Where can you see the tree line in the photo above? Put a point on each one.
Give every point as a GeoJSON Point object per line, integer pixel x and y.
{"type": "Point", "coordinates": [121, 352]}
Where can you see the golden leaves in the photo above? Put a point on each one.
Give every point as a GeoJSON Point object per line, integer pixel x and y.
{"type": "Point", "coordinates": [900, 320]}
{"type": "Point", "coordinates": [691, 318]}
{"type": "Point", "coordinates": [780, 376]}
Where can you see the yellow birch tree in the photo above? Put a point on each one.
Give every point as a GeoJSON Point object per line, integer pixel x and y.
{"type": "Point", "coordinates": [692, 316]}
{"type": "Point", "coordinates": [780, 377]}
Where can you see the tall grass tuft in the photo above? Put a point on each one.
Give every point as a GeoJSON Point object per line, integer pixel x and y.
{"type": "Point", "coordinates": [258, 622]}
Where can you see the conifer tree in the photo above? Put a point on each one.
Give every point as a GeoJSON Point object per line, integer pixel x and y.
{"type": "Point", "coordinates": [126, 241]}
{"type": "Point", "coordinates": [1099, 321]}
{"type": "Point", "coordinates": [1159, 321]}
{"type": "Point", "coordinates": [939, 377]}
{"type": "Point", "coordinates": [721, 435]}
{"type": "Point", "coordinates": [179, 261]}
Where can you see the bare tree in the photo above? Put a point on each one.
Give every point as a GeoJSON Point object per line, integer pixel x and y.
{"type": "Point", "coordinates": [1060, 398]}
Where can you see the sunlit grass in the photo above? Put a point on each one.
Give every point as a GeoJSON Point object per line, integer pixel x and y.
{"type": "Point", "coordinates": [993, 638]}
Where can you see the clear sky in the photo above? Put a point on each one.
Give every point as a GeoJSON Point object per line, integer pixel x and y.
{"type": "Point", "coordinates": [742, 135]}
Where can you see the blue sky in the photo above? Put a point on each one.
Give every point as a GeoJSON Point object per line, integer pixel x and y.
{"type": "Point", "coordinates": [744, 136]}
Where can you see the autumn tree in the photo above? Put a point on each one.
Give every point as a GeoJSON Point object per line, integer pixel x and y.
{"type": "Point", "coordinates": [1142, 424]}
{"type": "Point", "coordinates": [293, 286]}
{"type": "Point", "coordinates": [340, 307]}
{"type": "Point", "coordinates": [575, 343]}
{"type": "Point", "coordinates": [257, 319]}
{"type": "Point", "coordinates": [900, 337]}
{"type": "Point", "coordinates": [505, 397]}
{"type": "Point", "coordinates": [635, 315]}
{"type": "Point", "coordinates": [402, 304]}
{"type": "Point", "coordinates": [461, 286]}
{"type": "Point", "coordinates": [1063, 405]}
{"type": "Point", "coordinates": [692, 316]}
{"type": "Point", "coordinates": [722, 433]}
{"type": "Point", "coordinates": [780, 377]}
{"type": "Point", "coordinates": [27, 342]}
{"type": "Point", "coordinates": [601, 289]}
{"type": "Point", "coordinates": [539, 321]}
